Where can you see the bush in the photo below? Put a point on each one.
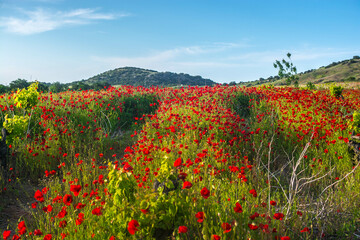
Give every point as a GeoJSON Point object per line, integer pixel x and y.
{"type": "Point", "coordinates": [336, 91]}
{"type": "Point", "coordinates": [310, 86]}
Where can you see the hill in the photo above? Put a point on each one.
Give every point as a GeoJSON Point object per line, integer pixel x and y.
{"type": "Point", "coordinates": [342, 71]}
{"type": "Point", "coordinates": [144, 77]}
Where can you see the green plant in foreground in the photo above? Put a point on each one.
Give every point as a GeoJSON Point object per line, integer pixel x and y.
{"type": "Point", "coordinates": [355, 124]}
{"type": "Point", "coordinates": [310, 86]}
{"type": "Point", "coordinates": [336, 91]}
{"type": "Point", "coordinates": [16, 127]}
{"type": "Point", "coordinates": [287, 70]}
{"type": "Point", "coordinates": [27, 98]}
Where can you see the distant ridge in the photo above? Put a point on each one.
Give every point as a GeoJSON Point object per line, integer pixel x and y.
{"type": "Point", "coordinates": [144, 77]}
{"type": "Point", "coordinates": [342, 71]}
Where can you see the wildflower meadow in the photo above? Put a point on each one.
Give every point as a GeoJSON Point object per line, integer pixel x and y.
{"type": "Point", "coordinates": [222, 162]}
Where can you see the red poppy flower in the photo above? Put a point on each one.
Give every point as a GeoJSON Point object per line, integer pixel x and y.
{"type": "Point", "coordinates": [238, 208]}
{"type": "Point", "coordinates": [127, 167]}
{"type": "Point", "coordinates": [145, 211]}
{"type": "Point", "coordinates": [178, 162]}
{"type": "Point", "coordinates": [21, 228]}
{"type": "Point", "coordinates": [48, 237]}
{"type": "Point", "coordinates": [97, 211]}
{"type": "Point", "coordinates": [306, 229]}
{"type": "Point", "coordinates": [67, 199]}
{"type": "Point", "coordinates": [132, 227]}
{"type": "Point", "coordinates": [285, 238]}
{"type": "Point", "coordinates": [205, 192]}
{"type": "Point", "coordinates": [226, 227]}
{"type": "Point", "coordinates": [253, 192]}
{"type": "Point", "coordinates": [253, 226]}
{"type": "Point", "coordinates": [200, 217]}
{"type": "Point", "coordinates": [215, 237]}
{"type": "Point", "coordinates": [272, 203]}
{"type": "Point", "coordinates": [37, 232]}
{"type": "Point", "coordinates": [39, 196]}
{"type": "Point", "coordinates": [62, 213]}
{"type": "Point", "coordinates": [62, 224]}
{"type": "Point", "coordinates": [80, 206]}
{"type": "Point", "coordinates": [6, 234]}
{"type": "Point", "coordinates": [183, 229]}
{"type": "Point", "coordinates": [278, 216]}
{"type": "Point", "coordinates": [75, 189]}
{"type": "Point", "coordinates": [187, 184]}
{"type": "Point", "coordinates": [15, 237]}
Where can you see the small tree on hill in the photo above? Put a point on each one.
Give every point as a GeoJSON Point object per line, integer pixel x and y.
{"type": "Point", "coordinates": [287, 70]}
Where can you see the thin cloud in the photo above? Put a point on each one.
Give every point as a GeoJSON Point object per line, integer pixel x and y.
{"type": "Point", "coordinates": [175, 53]}
{"type": "Point", "coordinates": [41, 20]}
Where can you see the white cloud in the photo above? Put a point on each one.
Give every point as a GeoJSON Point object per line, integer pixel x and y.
{"type": "Point", "coordinates": [41, 20]}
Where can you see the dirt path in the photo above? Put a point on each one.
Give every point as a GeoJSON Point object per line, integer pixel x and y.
{"type": "Point", "coordinates": [15, 203]}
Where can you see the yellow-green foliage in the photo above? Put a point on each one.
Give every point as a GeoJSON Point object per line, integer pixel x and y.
{"type": "Point", "coordinates": [355, 124]}
{"type": "Point", "coordinates": [16, 126]}
{"type": "Point", "coordinates": [27, 98]}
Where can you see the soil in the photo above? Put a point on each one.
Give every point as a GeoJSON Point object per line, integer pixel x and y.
{"type": "Point", "coordinates": [15, 205]}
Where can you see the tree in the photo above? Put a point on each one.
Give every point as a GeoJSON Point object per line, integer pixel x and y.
{"type": "Point", "coordinates": [42, 87]}
{"type": "Point", "coordinates": [56, 87]}
{"type": "Point", "coordinates": [287, 70]}
{"type": "Point", "coordinates": [233, 83]}
{"type": "Point", "coordinates": [4, 89]}
{"type": "Point", "coordinates": [19, 84]}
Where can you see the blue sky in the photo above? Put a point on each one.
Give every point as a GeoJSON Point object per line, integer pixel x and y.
{"type": "Point", "coordinates": [67, 40]}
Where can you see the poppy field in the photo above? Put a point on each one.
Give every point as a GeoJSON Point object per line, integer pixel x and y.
{"type": "Point", "coordinates": [221, 162]}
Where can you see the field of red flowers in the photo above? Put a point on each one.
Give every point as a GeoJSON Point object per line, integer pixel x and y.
{"type": "Point", "coordinates": [190, 163]}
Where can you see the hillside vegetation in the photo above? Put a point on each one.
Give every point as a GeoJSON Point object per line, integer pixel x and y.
{"type": "Point", "coordinates": [342, 71]}
{"type": "Point", "coordinates": [143, 77]}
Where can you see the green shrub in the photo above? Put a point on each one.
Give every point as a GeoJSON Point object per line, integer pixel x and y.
{"type": "Point", "coordinates": [336, 91]}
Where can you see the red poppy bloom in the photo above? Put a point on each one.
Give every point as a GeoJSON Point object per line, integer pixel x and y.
{"type": "Point", "coordinates": [215, 237]}
{"type": "Point", "coordinates": [37, 232]}
{"type": "Point", "coordinates": [253, 192]}
{"type": "Point", "coordinates": [205, 192]}
{"type": "Point", "coordinates": [183, 229]}
{"type": "Point", "coordinates": [21, 227]}
{"type": "Point", "coordinates": [145, 211]}
{"type": "Point", "coordinates": [187, 184]}
{"type": "Point", "coordinates": [226, 227]}
{"type": "Point", "coordinates": [200, 217]}
{"type": "Point", "coordinates": [6, 234]}
{"type": "Point", "coordinates": [177, 162]}
{"type": "Point", "coordinates": [62, 213]}
{"type": "Point", "coordinates": [39, 196]}
{"type": "Point", "coordinates": [306, 229]}
{"type": "Point", "coordinates": [272, 203]}
{"type": "Point", "coordinates": [127, 167]}
{"type": "Point", "coordinates": [285, 238]}
{"type": "Point", "coordinates": [48, 237]}
{"type": "Point", "coordinates": [253, 226]}
{"type": "Point", "coordinates": [15, 237]}
{"type": "Point", "coordinates": [238, 208]}
{"type": "Point", "coordinates": [75, 189]}
{"type": "Point", "coordinates": [132, 227]}
{"type": "Point", "coordinates": [62, 224]}
{"type": "Point", "coordinates": [67, 199]}
{"type": "Point", "coordinates": [97, 211]}
{"type": "Point", "coordinates": [278, 216]}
